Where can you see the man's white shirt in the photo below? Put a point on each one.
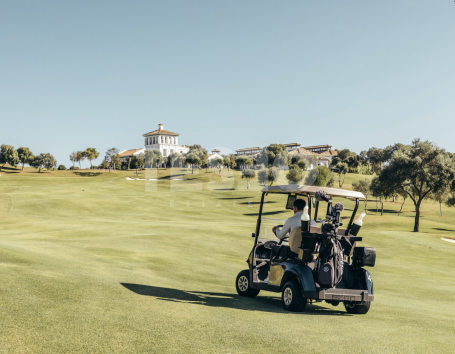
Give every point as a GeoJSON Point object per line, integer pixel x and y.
{"type": "Point", "coordinates": [290, 223]}
{"type": "Point", "coordinates": [293, 221]}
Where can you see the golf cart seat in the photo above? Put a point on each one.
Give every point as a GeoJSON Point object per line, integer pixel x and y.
{"type": "Point", "coordinates": [295, 238]}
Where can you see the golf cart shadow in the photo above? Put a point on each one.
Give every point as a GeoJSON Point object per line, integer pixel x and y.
{"type": "Point", "coordinates": [234, 301]}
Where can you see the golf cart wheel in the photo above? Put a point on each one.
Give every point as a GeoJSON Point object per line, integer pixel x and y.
{"type": "Point", "coordinates": [242, 285]}
{"type": "Point", "coordinates": [357, 309]}
{"type": "Point", "coordinates": [291, 297]}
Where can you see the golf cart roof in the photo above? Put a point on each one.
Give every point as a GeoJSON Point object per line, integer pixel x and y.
{"type": "Point", "coordinates": [304, 190]}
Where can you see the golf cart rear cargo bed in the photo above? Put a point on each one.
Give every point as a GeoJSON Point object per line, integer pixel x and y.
{"type": "Point", "coordinates": [345, 295]}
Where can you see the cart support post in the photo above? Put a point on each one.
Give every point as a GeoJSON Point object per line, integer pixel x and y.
{"type": "Point", "coordinates": [309, 212]}
{"type": "Point", "coordinates": [352, 217]}
{"type": "Point", "coordinates": [258, 223]}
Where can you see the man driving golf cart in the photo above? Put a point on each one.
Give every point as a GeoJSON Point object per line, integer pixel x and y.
{"type": "Point", "coordinates": [293, 221]}
{"type": "Point", "coordinates": [311, 262]}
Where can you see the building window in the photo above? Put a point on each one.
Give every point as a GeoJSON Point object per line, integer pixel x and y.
{"type": "Point", "coordinates": [164, 152]}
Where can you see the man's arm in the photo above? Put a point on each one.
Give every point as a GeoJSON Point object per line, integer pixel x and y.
{"type": "Point", "coordinates": [281, 233]}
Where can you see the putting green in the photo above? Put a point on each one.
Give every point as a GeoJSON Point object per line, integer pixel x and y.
{"type": "Point", "coordinates": [93, 262]}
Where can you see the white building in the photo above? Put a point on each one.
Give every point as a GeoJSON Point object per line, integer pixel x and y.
{"type": "Point", "coordinates": [165, 141]}
{"type": "Point", "coordinates": [126, 154]}
{"type": "Point", "coordinates": [215, 154]}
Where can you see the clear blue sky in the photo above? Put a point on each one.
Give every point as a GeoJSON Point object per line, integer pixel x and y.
{"type": "Point", "coordinates": [233, 74]}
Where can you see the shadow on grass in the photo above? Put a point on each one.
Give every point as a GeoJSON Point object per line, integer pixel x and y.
{"type": "Point", "coordinates": [268, 213]}
{"type": "Point", "coordinates": [11, 169]}
{"type": "Point", "coordinates": [235, 198]}
{"type": "Point", "coordinates": [257, 203]}
{"type": "Point", "coordinates": [386, 211]}
{"type": "Point", "coordinates": [234, 301]}
{"type": "Point", "coordinates": [436, 228]}
{"type": "Point", "coordinates": [87, 174]}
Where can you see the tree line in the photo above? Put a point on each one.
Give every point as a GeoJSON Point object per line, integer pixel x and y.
{"type": "Point", "coordinates": [418, 171]}
{"type": "Point", "coordinates": [23, 156]}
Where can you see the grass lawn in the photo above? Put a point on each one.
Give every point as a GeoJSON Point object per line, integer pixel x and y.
{"type": "Point", "coordinates": [93, 263]}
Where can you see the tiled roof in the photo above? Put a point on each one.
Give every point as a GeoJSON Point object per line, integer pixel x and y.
{"type": "Point", "coordinates": [329, 153]}
{"type": "Point", "coordinates": [129, 152]}
{"type": "Point", "coordinates": [292, 144]}
{"type": "Point", "coordinates": [317, 146]}
{"type": "Point", "coordinates": [255, 148]}
{"type": "Point", "coordinates": [161, 132]}
{"type": "Point", "coordinates": [302, 151]}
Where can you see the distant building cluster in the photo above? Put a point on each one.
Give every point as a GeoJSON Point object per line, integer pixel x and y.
{"type": "Point", "coordinates": [323, 153]}
{"type": "Point", "coordinates": [167, 143]}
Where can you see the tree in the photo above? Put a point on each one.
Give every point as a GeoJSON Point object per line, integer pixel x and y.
{"type": "Point", "coordinates": [441, 196]}
{"type": "Point", "coordinates": [193, 158]}
{"type": "Point", "coordinates": [243, 161]}
{"type": "Point", "coordinates": [80, 157]}
{"type": "Point", "coordinates": [268, 175]}
{"type": "Point", "coordinates": [173, 158]}
{"type": "Point", "coordinates": [274, 155]}
{"type": "Point", "coordinates": [375, 157]}
{"type": "Point", "coordinates": [379, 189]}
{"type": "Point", "coordinates": [229, 161]}
{"type": "Point", "coordinates": [91, 154]}
{"type": "Point", "coordinates": [273, 174]}
{"type": "Point", "coordinates": [320, 176]}
{"type": "Point", "coordinates": [112, 157]}
{"type": "Point", "coordinates": [201, 151]}
{"type": "Point", "coordinates": [139, 160]}
{"type": "Point", "coordinates": [8, 156]}
{"type": "Point", "coordinates": [104, 165]}
{"type": "Point", "coordinates": [44, 161]}
{"type": "Point", "coordinates": [215, 163]}
{"type": "Point", "coordinates": [363, 186]}
{"type": "Point", "coordinates": [295, 174]}
{"type": "Point", "coordinates": [181, 160]}
{"type": "Point", "coordinates": [25, 156]}
{"type": "Point", "coordinates": [263, 176]}
{"type": "Point", "coordinates": [342, 170]}
{"type": "Point", "coordinates": [74, 157]}
{"type": "Point", "coordinates": [116, 162]}
{"type": "Point", "coordinates": [248, 175]}
{"type": "Point", "coordinates": [345, 154]}
{"type": "Point", "coordinates": [153, 158]}
{"type": "Point", "coordinates": [420, 169]}
{"type": "Point", "coordinates": [303, 164]}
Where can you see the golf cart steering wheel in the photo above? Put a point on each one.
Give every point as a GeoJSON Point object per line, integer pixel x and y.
{"type": "Point", "coordinates": [283, 239]}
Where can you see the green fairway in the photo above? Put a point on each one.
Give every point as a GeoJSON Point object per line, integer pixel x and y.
{"type": "Point", "coordinates": [91, 262]}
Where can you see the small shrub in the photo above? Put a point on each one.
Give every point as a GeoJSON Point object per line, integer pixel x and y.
{"type": "Point", "coordinates": [74, 168]}
{"type": "Point", "coordinates": [249, 175]}
{"type": "Point", "coordinates": [61, 167]}
{"type": "Point", "coordinates": [295, 175]}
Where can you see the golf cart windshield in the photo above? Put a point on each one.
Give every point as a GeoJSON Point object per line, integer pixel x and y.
{"type": "Point", "coordinates": [267, 223]}
{"type": "Point", "coordinates": [267, 220]}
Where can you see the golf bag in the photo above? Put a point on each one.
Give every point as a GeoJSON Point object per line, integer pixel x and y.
{"type": "Point", "coordinates": [329, 266]}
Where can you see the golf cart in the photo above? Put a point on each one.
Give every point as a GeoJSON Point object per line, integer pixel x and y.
{"type": "Point", "coordinates": [317, 261]}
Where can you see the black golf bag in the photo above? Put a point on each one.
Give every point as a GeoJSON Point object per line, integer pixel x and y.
{"type": "Point", "coordinates": [329, 265]}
